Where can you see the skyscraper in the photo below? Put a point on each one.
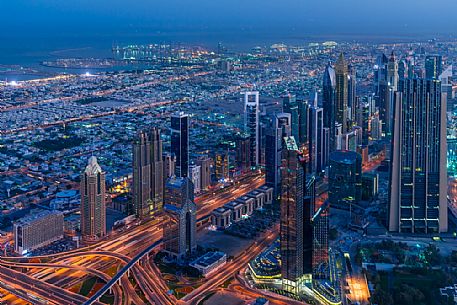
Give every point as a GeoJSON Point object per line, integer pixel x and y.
{"type": "Point", "coordinates": [205, 170]}
{"type": "Point", "coordinates": [290, 106]}
{"type": "Point", "coordinates": [433, 66]}
{"type": "Point", "coordinates": [179, 231]}
{"type": "Point", "coordinates": [93, 208]}
{"type": "Point", "coordinates": [243, 156]}
{"type": "Point", "coordinates": [352, 93]}
{"type": "Point", "coordinates": [292, 216]}
{"type": "Point", "coordinates": [273, 151]}
{"type": "Point", "coordinates": [180, 143]}
{"type": "Point", "coordinates": [147, 173]}
{"type": "Point", "coordinates": [251, 123]}
{"type": "Point", "coordinates": [418, 184]}
{"type": "Point", "coordinates": [341, 90]}
{"type": "Point", "coordinates": [316, 137]}
{"type": "Point", "coordinates": [344, 178]}
{"type": "Point", "coordinates": [328, 96]}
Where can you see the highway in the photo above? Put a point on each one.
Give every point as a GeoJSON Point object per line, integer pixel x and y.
{"type": "Point", "coordinates": [124, 249]}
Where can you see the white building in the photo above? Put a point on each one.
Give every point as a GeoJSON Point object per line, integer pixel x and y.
{"type": "Point", "coordinates": [210, 262]}
{"type": "Point", "coordinates": [37, 230]}
{"type": "Point", "coordinates": [195, 176]}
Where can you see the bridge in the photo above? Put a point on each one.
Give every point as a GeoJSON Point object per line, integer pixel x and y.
{"type": "Point", "coordinates": [121, 273]}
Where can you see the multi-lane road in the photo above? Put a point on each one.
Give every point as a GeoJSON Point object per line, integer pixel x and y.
{"type": "Point", "coordinates": [63, 271]}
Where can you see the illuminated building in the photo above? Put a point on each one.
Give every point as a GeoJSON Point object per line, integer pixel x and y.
{"type": "Point", "coordinates": [180, 143]}
{"type": "Point", "coordinates": [316, 137]}
{"type": "Point", "coordinates": [341, 92]}
{"type": "Point", "coordinates": [169, 163]}
{"type": "Point", "coordinates": [179, 230]}
{"type": "Point", "coordinates": [418, 184]}
{"type": "Point", "coordinates": [243, 156]}
{"type": "Point", "coordinates": [292, 217]}
{"type": "Point", "coordinates": [328, 92]}
{"type": "Point", "coordinates": [344, 178]}
{"type": "Point", "coordinates": [148, 173]}
{"type": "Point", "coordinates": [93, 207]}
{"type": "Point", "coordinates": [205, 171]}
{"type": "Point", "coordinates": [221, 218]}
{"type": "Point", "coordinates": [195, 177]}
{"type": "Point", "coordinates": [37, 230]}
{"type": "Point", "coordinates": [251, 123]}
{"type": "Point", "coordinates": [290, 106]}
{"type": "Point", "coordinates": [433, 67]}
{"type": "Point", "coordinates": [222, 165]}
{"type": "Point", "coordinates": [273, 149]}
{"type": "Point", "coordinates": [352, 93]}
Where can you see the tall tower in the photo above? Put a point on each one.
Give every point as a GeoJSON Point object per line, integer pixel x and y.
{"type": "Point", "coordinates": [433, 66]}
{"type": "Point", "coordinates": [180, 143]}
{"type": "Point", "coordinates": [273, 151]}
{"type": "Point", "coordinates": [290, 106]}
{"type": "Point", "coordinates": [418, 182]}
{"type": "Point", "coordinates": [292, 216]}
{"type": "Point", "coordinates": [93, 208]}
{"type": "Point", "coordinates": [341, 100]}
{"type": "Point", "coordinates": [316, 137]}
{"type": "Point", "coordinates": [329, 95]}
{"type": "Point", "coordinates": [179, 230]}
{"type": "Point", "coordinates": [251, 123]}
{"type": "Point", "coordinates": [147, 173]}
{"type": "Point", "coordinates": [352, 93]}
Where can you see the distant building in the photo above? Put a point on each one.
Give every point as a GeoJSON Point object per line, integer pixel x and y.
{"type": "Point", "coordinates": [180, 143]}
{"type": "Point", "coordinates": [169, 164]}
{"type": "Point", "coordinates": [243, 152]}
{"type": "Point", "coordinates": [195, 177]}
{"type": "Point", "coordinates": [433, 67]}
{"type": "Point", "coordinates": [93, 207]}
{"type": "Point", "coordinates": [290, 106]}
{"type": "Point", "coordinates": [147, 173]}
{"type": "Point", "coordinates": [418, 184]}
{"type": "Point", "coordinates": [328, 96]}
{"type": "Point", "coordinates": [316, 138]}
{"type": "Point", "coordinates": [341, 91]}
{"type": "Point", "coordinates": [205, 170]}
{"type": "Point", "coordinates": [179, 231]}
{"type": "Point", "coordinates": [344, 178]}
{"type": "Point", "coordinates": [37, 230]}
{"type": "Point", "coordinates": [252, 126]}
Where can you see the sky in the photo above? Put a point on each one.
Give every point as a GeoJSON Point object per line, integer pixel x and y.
{"type": "Point", "coordinates": [25, 17]}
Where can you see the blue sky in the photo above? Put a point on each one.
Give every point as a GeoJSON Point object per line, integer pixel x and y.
{"type": "Point", "coordinates": [327, 16]}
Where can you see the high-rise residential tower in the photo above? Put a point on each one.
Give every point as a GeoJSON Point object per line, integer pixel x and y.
{"type": "Point", "coordinates": [292, 216]}
{"type": "Point", "coordinates": [290, 106]}
{"type": "Point", "coordinates": [418, 183]}
{"type": "Point", "coordinates": [341, 90]}
{"type": "Point", "coordinates": [179, 231]}
{"type": "Point", "coordinates": [180, 143]}
{"type": "Point", "coordinates": [273, 151]}
{"type": "Point", "coordinates": [148, 173]}
{"type": "Point", "coordinates": [93, 208]}
{"type": "Point", "coordinates": [251, 123]}
{"type": "Point", "coordinates": [328, 97]}
{"type": "Point", "coordinates": [316, 137]}
{"type": "Point", "coordinates": [433, 66]}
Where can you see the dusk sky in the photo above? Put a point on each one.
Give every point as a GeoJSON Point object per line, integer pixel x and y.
{"type": "Point", "coordinates": [326, 16]}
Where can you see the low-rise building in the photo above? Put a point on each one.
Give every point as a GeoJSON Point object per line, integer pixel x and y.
{"type": "Point", "coordinates": [236, 209]}
{"type": "Point", "coordinates": [220, 218]}
{"type": "Point", "coordinates": [268, 191]}
{"type": "Point", "coordinates": [210, 262]}
{"type": "Point", "coordinates": [248, 204]}
{"type": "Point", "coordinates": [259, 198]}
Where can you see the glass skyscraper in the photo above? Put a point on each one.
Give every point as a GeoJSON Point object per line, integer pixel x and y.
{"type": "Point", "coordinates": [251, 123]}
{"type": "Point", "coordinates": [418, 184]}
{"type": "Point", "coordinates": [180, 143]}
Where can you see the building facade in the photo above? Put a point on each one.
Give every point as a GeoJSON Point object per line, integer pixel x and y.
{"type": "Point", "coordinates": [93, 206]}
{"type": "Point", "coordinates": [180, 143]}
{"type": "Point", "coordinates": [148, 172]}
{"type": "Point", "coordinates": [418, 186]}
